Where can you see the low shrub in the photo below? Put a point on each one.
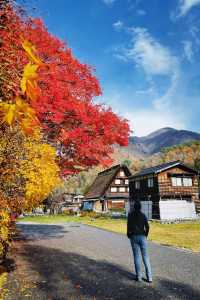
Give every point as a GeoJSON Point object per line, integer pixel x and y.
{"type": "Point", "coordinates": [90, 214]}
{"type": "Point", "coordinates": [5, 232]}
{"type": "Point", "coordinates": [118, 210]}
{"type": "Point", "coordinates": [3, 279]}
{"type": "Point", "coordinates": [68, 212]}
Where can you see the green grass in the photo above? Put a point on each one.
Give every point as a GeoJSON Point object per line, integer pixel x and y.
{"type": "Point", "coordinates": [50, 219]}
{"type": "Point", "coordinates": [184, 235]}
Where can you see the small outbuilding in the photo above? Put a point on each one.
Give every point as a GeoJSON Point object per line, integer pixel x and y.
{"type": "Point", "coordinates": [166, 191]}
{"type": "Point", "coordinates": [109, 191]}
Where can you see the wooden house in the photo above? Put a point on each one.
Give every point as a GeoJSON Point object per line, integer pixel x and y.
{"type": "Point", "coordinates": [109, 191]}
{"type": "Point", "coordinates": [62, 202]}
{"type": "Point", "coordinates": [72, 202]}
{"type": "Point", "coordinates": [167, 191]}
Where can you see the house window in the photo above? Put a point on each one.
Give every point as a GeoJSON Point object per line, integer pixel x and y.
{"type": "Point", "coordinates": [187, 181]}
{"type": "Point", "coordinates": [174, 183]}
{"type": "Point", "coordinates": [127, 189]}
{"type": "Point", "coordinates": [126, 181]}
{"type": "Point", "coordinates": [137, 184]}
{"type": "Point", "coordinates": [122, 189]}
{"type": "Point", "coordinates": [177, 181]}
{"type": "Point", "coordinates": [150, 182]}
{"type": "Point", "coordinates": [117, 181]}
{"type": "Point", "coordinates": [113, 189]}
{"type": "Point", "coordinates": [181, 181]}
{"type": "Point", "coordinates": [121, 173]}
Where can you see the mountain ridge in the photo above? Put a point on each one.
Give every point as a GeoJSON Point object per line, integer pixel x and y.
{"type": "Point", "coordinates": [161, 138]}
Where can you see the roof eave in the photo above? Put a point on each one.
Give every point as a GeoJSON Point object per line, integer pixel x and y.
{"type": "Point", "coordinates": [138, 175]}
{"type": "Point", "coordinates": [169, 167]}
{"type": "Point", "coordinates": [164, 169]}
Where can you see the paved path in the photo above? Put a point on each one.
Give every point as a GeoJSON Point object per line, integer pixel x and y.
{"type": "Point", "coordinates": [75, 261]}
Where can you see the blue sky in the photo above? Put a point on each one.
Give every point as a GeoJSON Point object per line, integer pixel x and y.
{"type": "Point", "coordinates": [146, 54]}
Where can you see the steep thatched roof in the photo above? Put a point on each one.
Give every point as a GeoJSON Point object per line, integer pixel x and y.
{"type": "Point", "coordinates": [103, 181]}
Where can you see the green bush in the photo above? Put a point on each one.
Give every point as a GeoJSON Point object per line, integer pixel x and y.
{"type": "Point", "coordinates": [68, 212]}
{"type": "Point", "coordinates": [120, 210]}
{"type": "Point", "coordinates": [90, 214]}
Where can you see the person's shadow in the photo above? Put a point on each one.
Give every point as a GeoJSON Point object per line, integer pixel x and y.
{"type": "Point", "coordinates": [31, 231]}
{"type": "Point", "coordinates": [95, 279]}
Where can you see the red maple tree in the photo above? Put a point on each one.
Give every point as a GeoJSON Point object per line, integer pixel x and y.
{"type": "Point", "coordinates": [82, 130]}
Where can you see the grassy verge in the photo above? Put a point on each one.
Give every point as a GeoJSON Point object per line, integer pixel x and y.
{"type": "Point", "coordinates": [50, 219]}
{"type": "Point", "coordinates": [3, 279]}
{"type": "Point", "coordinates": [184, 235]}
{"type": "Point", "coordinates": [115, 225]}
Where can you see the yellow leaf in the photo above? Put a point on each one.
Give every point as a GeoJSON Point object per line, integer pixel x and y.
{"type": "Point", "coordinates": [30, 51]}
{"type": "Point", "coordinates": [9, 111]}
{"type": "Point", "coordinates": [22, 113]}
{"type": "Point", "coordinates": [30, 73]}
{"type": "Point", "coordinates": [19, 102]}
{"type": "Point", "coordinates": [32, 89]}
{"type": "Point", "coordinates": [24, 107]}
{"type": "Point", "coordinates": [26, 127]}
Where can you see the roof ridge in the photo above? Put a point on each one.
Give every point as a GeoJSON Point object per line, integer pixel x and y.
{"type": "Point", "coordinates": [160, 168]}
{"type": "Point", "coordinates": [156, 168]}
{"type": "Point", "coordinates": [104, 179]}
{"type": "Point", "coordinates": [163, 164]}
{"type": "Point", "coordinates": [109, 169]}
{"type": "Point", "coordinates": [103, 185]}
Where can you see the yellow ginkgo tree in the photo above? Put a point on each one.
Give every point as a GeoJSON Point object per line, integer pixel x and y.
{"type": "Point", "coordinates": [28, 167]}
{"type": "Point", "coordinates": [40, 172]}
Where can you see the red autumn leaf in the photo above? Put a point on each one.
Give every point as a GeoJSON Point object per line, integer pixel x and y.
{"type": "Point", "coordinates": [64, 101]}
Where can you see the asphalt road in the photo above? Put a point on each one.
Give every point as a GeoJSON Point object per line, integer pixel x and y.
{"type": "Point", "coordinates": [75, 261]}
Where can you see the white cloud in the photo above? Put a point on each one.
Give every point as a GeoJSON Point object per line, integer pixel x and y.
{"type": "Point", "coordinates": [164, 112]}
{"type": "Point", "coordinates": [150, 54]}
{"type": "Point", "coordinates": [149, 91]}
{"type": "Point", "coordinates": [155, 59]}
{"type": "Point", "coordinates": [118, 25]}
{"type": "Point", "coordinates": [161, 112]}
{"type": "Point", "coordinates": [141, 12]}
{"type": "Point", "coordinates": [186, 5]}
{"type": "Point", "coordinates": [146, 121]}
{"type": "Point", "coordinates": [194, 31]}
{"type": "Point", "coordinates": [167, 100]}
{"type": "Point", "coordinates": [188, 50]}
{"type": "Point", "coordinates": [109, 2]}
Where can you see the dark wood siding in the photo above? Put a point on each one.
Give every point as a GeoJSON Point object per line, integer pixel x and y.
{"type": "Point", "coordinates": [167, 190]}
{"type": "Point", "coordinates": [116, 204]}
{"type": "Point", "coordinates": [145, 193]}
{"type": "Point", "coordinates": [163, 188]}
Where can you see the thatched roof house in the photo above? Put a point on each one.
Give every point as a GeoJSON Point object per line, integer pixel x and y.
{"type": "Point", "coordinates": [109, 190]}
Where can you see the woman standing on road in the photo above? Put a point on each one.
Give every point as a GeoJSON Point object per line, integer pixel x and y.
{"type": "Point", "coordinates": [137, 232]}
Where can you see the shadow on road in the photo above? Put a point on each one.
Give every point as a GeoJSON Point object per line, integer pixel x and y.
{"type": "Point", "coordinates": [95, 279]}
{"type": "Point", "coordinates": [41, 231]}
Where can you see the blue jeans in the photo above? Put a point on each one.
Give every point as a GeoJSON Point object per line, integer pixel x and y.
{"type": "Point", "coordinates": [139, 247]}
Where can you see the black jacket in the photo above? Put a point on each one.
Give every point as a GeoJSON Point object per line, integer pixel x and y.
{"type": "Point", "coordinates": [137, 224]}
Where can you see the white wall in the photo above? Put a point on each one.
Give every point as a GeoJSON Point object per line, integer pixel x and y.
{"type": "Point", "coordinates": [177, 209]}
